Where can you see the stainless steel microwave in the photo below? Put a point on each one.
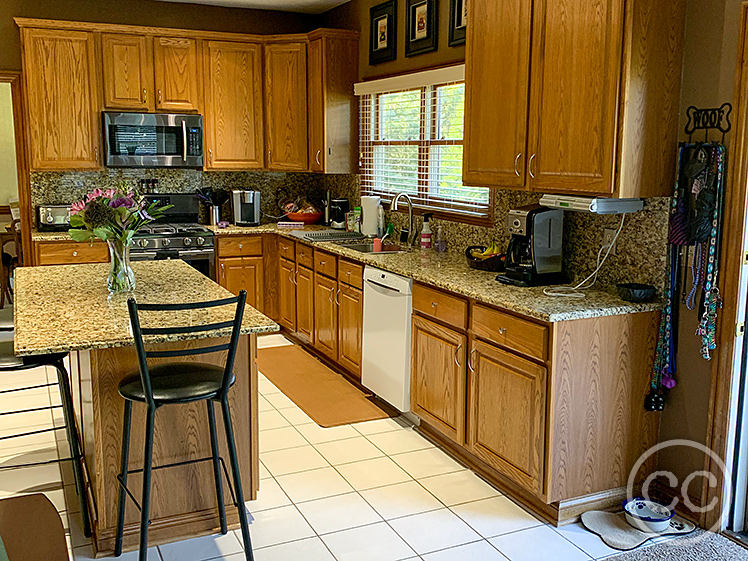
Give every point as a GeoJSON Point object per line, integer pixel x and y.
{"type": "Point", "coordinates": [146, 140]}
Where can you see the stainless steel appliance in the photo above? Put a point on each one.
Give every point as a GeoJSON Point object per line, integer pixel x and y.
{"type": "Point", "coordinates": [52, 218]}
{"type": "Point", "coordinates": [534, 256]}
{"type": "Point", "coordinates": [177, 235]}
{"type": "Point", "coordinates": [245, 208]}
{"type": "Point", "coordinates": [153, 140]}
{"type": "Point", "coordinates": [338, 210]}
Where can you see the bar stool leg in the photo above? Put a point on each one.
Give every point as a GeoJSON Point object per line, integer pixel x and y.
{"type": "Point", "coordinates": [217, 466]}
{"type": "Point", "coordinates": [126, 424]}
{"type": "Point", "coordinates": [75, 448]}
{"type": "Point", "coordinates": [237, 478]}
{"type": "Point", "coordinates": [145, 504]}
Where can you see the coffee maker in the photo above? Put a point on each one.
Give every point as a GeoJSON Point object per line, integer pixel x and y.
{"type": "Point", "coordinates": [533, 257]}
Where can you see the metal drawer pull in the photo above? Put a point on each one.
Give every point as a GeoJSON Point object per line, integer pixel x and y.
{"type": "Point", "coordinates": [316, 157]}
{"type": "Point", "coordinates": [502, 330]}
{"type": "Point", "coordinates": [223, 271]}
{"type": "Point", "coordinates": [529, 166]}
{"type": "Point", "coordinates": [145, 96]}
{"type": "Point", "coordinates": [434, 304]}
{"type": "Point", "coordinates": [470, 359]}
{"type": "Point", "coordinates": [75, 254]}
{"type": "Point", "coordinates": [296, 278]}
{"type": "Point", "coordinates": [337, 297]}
{"type": "Point", "coordinates": [332, 293]}
{"type": "Point", "coordinates": [457, 351]}
{"type": "Point", "coordinates": [516, 160]}
{"type": "Point", "coordinates": [159, 97]}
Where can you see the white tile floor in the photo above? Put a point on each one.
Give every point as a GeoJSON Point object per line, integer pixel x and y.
{"type": "Point", "coordinates": [374, 491]}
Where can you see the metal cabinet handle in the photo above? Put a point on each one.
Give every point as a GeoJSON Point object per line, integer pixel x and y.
{"type": "Point", "coordinates": [337, 297]}
{"type": "Point", "coordinates": [332, 293]}
{"type": "Point", "coordinates": [159, 97]}
{"type": "Point", "coordinates": [223, 270]}
{"type": "Point", "coordinates": [96, 154]}
{"type": "Point", "coordinates": [529, 166]}
{"type": "Point", "coordinates": [502, 330]}
{"type": "Point", "coordinates": [75, 254]}
{"type": "Point", "coordinates": [241, 246]}
{"type": "Point", "coordinates": [316, 157]}
{"type": "Point", "coordinates": [470, 360]}
{"type": "Point", "coordinates": [516, 161]}
{"type": "Point", "coordinates": [434, 304]}
{"type": "Point", "coordinates": [290, 277]}
{"type": "Point", "coordinates": [302, 254]}
{"type": "Point", "coordinates": [457, 351]}
{"type": "Point", "coordinates": [210, 155]}
{"type": "Point", "coordinates": [323, 263]}
{"type": "Point", "coordinates": [348, 273]}
{"type": "Point", "coordinates": [296, 278]}
{"type": "Point", "coordinates": [145, 96]}
{"type": "Point", "coordinates": [270, 156]}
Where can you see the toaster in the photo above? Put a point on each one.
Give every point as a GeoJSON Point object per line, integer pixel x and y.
{"type": "Point", "coordinates": [245, 208]}
{"type": "Point", "coordinates": [52, 218]}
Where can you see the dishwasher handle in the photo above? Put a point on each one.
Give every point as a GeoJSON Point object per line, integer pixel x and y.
{"type": "Point", "coordinates": [380, 285]}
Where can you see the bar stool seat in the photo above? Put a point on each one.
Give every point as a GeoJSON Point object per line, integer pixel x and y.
{"type": "Point", "coordinates": [178, 382]}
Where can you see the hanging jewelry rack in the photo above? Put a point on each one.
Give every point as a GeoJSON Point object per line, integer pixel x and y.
{"type": "Point", "coordinates": [711, 119]}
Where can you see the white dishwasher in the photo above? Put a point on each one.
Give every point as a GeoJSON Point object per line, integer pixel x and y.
{"type": "Point", "coordinates": [385, 361]}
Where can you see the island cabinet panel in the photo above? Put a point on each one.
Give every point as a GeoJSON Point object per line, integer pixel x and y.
{"type": "Point", "coordinates": [243, 273]}
{"type": "Point", "coordinates": [350, 302]}
{"type": "Point", "coordinates": [304, 303]}
{"type": "Point", "coordinates": [128, 71]}
{"type": "Point", "coordinates": [70, 253]}
{"type": "Point", "coordinates": [286, 106]}
{"type": "Point", "coordinates": [438, 382]}
{"type": "Point", "coordinates": [507, 413]}
{"type": "Point", "coordinates": [63, 98]}
{"type": "Point", "coordinates": [497, 81]}
{"type": "Point", "coordinates": [325, 316]}
{"type": "Point", "coordinates": [177, 74]}
{"type": "Point", "coordinates": [233, 105]}
{"type": "Point", "coordinates": [287, 294]}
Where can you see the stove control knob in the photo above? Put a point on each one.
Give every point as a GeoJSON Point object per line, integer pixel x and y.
{"type": "Point", "coordinates": [187, 242]}
{"type": "Point", "coordinates": [166, 242]}
{"type": "Point", "coordinates": [200, 240]}
{"type": "Point", "coordinates": [143, 243]}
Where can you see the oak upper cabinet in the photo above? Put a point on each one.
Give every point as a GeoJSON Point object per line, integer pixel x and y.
{"type": "Point", "coordinates": [506, 413]}
{"type": "Point", "coordinates": [243, 273]}
{"type": "Point", "coordinates": [286, 106]}
{"type": "Point", "coordinates": [128, 71]}
{"type": "Point", "coordinates": [287, 294]}
{"type": "Point", "coordinates": [177, 74]}
{"type": "Point", "coordinates": [304, 304]}
{"type": "Point", "coordinates": [350, 327]}
{"type": "Point", "coordinates": [603, 90]}
{"type": "Point", "coordinates": [233, 105]}
{"type": "Point", "coordinates": [496, 92]}
{"type": "Point", "coordinates": [438, 383]}
{"type": "Point", "coordinates": [325, 316]}
{"type": "Point", "coordinates": [63, 98]}
{"type": "Point", "coordinates": [333, 108]}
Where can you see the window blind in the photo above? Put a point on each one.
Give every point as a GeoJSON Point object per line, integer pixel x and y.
{"type": "Point", "coordinates": [411, 141]}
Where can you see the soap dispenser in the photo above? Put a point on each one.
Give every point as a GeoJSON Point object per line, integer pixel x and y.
{"type": "Point", "coordinates": [426, 231]}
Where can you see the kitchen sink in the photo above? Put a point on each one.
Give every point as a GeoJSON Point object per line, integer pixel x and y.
{"type": "Point", "coordinates": [369, 248]}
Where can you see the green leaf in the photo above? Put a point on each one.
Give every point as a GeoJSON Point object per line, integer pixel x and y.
{"type": "Point", "coordinates": [102, 233]}
{"type": "Point", "coordinates": [76, 221]}
{"type": "Point", "coordinates": [81, 235]}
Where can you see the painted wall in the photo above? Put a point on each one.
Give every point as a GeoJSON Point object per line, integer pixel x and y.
{"type": "Point", "coordinates": [8, 171]}
{"type": "Point", "coordinates": [355, 15]}
{"type": "Point", "coordinates": [143, 12]}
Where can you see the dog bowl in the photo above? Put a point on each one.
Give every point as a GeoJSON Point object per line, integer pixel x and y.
{"type": "Point", "coordinates": [647, 516]}
{"type": "Point", "coordinates": [635, 292]}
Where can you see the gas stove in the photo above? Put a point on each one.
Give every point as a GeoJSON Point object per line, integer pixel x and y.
{"type": "Point", "coordinates": [173, 237]}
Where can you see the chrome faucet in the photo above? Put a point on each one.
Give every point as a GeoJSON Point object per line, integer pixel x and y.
{"type": "Point", "coordinates": [411, 231]}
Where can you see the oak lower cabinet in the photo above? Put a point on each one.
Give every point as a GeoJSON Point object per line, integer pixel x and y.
{"type": "Point", "coordinates": [438, 384]}
{"type": "Point", "coordinates": [243, 273]}
{"type": "Point", "coordinates": [350, 302]}
{"type": "Point", "coordinates": [287, 294]}
{"type": "Point", "coordinates": [304, 303]}
{"type": "Point", "coordinates": [506, 413]}
{"type": "Point", "coordinates": [326, 316]}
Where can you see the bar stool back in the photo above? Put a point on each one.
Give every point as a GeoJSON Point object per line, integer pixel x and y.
{"type": "Point", "coordinates": [180, 383]}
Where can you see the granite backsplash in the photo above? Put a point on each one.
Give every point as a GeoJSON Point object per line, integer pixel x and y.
{"type": "Point", "coordinates": [641, 253]}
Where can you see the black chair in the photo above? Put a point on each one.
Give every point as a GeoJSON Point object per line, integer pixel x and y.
{"type": "Point", "coordinates": [180, 383]}
{"type": "Point", "coordinates": [11, 363]}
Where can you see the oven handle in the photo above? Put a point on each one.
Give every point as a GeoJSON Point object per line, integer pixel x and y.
{"type": "Point", "coordinates": [143, 255]}
{"type": "Point", "coordinates": [184, 140]}
{"type": "Point", "coordinates": [196, 252]}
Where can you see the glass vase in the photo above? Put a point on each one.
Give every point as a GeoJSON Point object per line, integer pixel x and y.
{"type": "Point", "coordinates": [121, 276]}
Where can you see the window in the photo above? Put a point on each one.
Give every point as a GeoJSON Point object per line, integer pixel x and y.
{"type": "Point", "coordinates": [411, 141]}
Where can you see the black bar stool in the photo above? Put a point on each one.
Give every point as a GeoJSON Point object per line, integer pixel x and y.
{"type": "Point", "coordinates": [179, 383]}
{"type": "Point", "coordinates": [11, 363]}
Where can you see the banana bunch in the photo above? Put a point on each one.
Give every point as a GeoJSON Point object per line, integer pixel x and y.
{"type": "Point", "coordinates": [490, 251]}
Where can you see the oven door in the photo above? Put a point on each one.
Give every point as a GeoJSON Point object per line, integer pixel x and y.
{"type": "Point", "coordinates": [204, 260]}
{"type": "Point", "coordinates": [153, 140]}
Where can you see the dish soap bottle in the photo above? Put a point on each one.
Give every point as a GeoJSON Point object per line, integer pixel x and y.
{"type": "Point", "coordinates": [440, 244]}
{"type": "Point", "coordinates": [426, 231]}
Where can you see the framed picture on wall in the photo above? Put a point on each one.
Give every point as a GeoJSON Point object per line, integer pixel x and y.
{"type": "Point", "coordinates": [422, 25]}
{"type": "Point", "coordinates": [383, 32]}
{"type": "Point", "coordinates": [457, 22]}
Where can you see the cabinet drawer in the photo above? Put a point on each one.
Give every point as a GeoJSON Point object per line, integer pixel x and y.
{"type": "Point", "coordinates": [325, 263]}
{"type": "Point", "coordinates": [239, 246]}
{"type": "Point", "coordinates": [351, 273]}
{"type": "Point", "coordinates": [286, 249]}
{"type": "Point", "coordinates": [440, 305]}
{"type": "Point", "coordinates": [509, 331]}
{"type": "Point", "coordinates": [304, 255]}
{"type": "Point", "coordinates": [71, 253]}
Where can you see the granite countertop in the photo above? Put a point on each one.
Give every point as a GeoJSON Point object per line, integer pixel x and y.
{"type": "Point", "coordinates": [450, 271]}
{"type": "Point", "coordinates": [67, 307]}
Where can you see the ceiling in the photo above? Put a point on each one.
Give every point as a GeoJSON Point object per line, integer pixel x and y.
{"type": "Point", "coordinates": [307, 6]}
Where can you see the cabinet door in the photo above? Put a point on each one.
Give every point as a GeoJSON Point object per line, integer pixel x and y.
{"type": "Point", "coordinates": [285, 101]}
{"type": "Point", "coordinates": [128, 71]}
{"type": "Point", "coordinates": [243, 273]}
{"type": "Point", "coordinates": [350, 327]}
{"type": "Point", "coordinates": [507, 414]}
{"type": "Point", "coordinates": [325, 316]}
{"type": "Point", "coordinates": [305, 304]}
{"type": "Point", "coordinates": [177, 74]}
{"type": "Point", "coordinates": [575, 91]}
{"type": "Point", "coordinates": [233, 108]}
{"type": "Point", "coordinates": [63, 99]}
{"type": "Point", "coordinates": [316, 106]}
{"type": "Point", "coordinates": [287, 295]}
{"type": "Point", "coordinates": [438, 384]}
{"type": "Point", "coordinates": [497, 74]}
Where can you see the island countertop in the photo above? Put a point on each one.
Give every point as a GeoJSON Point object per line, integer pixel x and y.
{"type": "Point", "coordinates": [68, 308]}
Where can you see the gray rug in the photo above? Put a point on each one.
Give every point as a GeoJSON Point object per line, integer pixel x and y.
{"type": "Point", "coordinates": [699, 546]}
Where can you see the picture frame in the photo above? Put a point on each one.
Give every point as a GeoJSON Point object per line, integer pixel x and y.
{"type": "Point", "coordinates": [421, 34]}
{"type": "Point", "coordinates": [383, 32]}
{"type": "Point", "coordinates": [457, 22]}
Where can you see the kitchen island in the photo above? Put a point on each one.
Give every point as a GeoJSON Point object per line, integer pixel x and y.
{"type": "Point", "coordinates": [67, 308]}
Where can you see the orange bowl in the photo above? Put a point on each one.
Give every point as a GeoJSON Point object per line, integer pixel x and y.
{"type": "Point", "coordinates": [305, 217]}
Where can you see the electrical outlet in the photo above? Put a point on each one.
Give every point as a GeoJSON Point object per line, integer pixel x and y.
{"type": "Point", "coordinates": [608, 235]}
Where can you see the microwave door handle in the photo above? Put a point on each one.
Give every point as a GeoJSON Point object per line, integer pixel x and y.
{"type": "Point", "coordinates": [184, 140]}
